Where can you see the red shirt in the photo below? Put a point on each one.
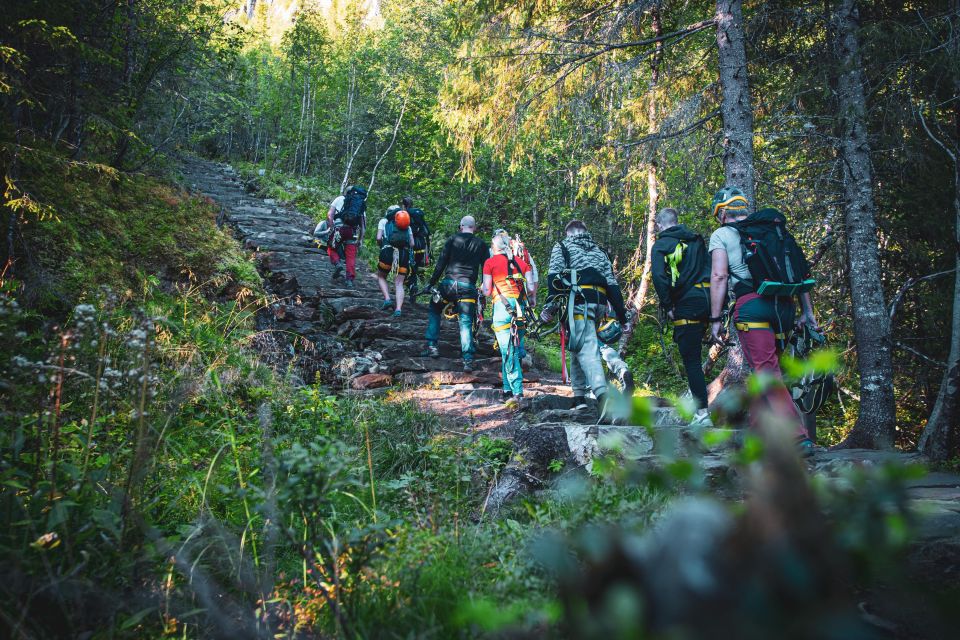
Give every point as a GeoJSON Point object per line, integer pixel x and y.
{"type": "Point", "coordinates": [498, 267]}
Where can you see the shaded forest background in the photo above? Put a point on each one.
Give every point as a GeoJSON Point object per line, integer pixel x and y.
{"type": "Point", "coordinates": [522, 114]}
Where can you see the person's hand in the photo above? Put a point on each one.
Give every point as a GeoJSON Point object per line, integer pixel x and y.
{"type": "Point", "coordinates": [670, 315]}
{"type": "Point", "coordinates": [716, 332]}
{"type": "Point", "coordinates": [807, 319]}
{"type": "Point", "coordinates": [546, 315]}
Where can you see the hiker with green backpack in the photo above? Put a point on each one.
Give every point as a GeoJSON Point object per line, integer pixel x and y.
{"type": "Point", "coordinates": [757, 261]}
{"type": "Point", "coordinates": [680, 270]}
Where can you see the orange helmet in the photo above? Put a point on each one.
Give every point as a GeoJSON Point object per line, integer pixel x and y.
{"type": "Point", "coordinates": [401, 219]}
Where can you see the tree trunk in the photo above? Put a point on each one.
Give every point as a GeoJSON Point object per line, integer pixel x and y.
{"type": "Point", "coordinates": [653, 194]}
{"type": "Point", "coordinates": [871, 325]}
{"type": "Point", "coordinates": [941, 436]}
{"type": "Point", "coordinates": [735, 107]}
{"type": "Point", "coordinates": [737, 113]}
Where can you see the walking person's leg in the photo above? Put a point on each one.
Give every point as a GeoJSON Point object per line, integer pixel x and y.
{"type": "Point", "coordinates": [501, 329]}
{"type": "Point", "coordinates": [466, 311]}
{"type": "Point", "coordinates": [689, 340]}
{"type": "Point", "coordinates": [760, 350]}
{"type": "Point", "coordinates": [350, 258]}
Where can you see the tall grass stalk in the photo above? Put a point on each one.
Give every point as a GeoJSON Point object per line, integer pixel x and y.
{"type": "Point", "coordinates": [373, 484]}
{"type": "Point", "coordinates": [246, 503]}
{"type": "Point", "coordinates": [101, 351]}
{"type": "Point", "coordinates": [57, 405]}
{"type": "Point", "coordinates": [138, 445]}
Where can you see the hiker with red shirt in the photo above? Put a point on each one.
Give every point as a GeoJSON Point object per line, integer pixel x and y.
{"type": "Point", "coordinates": [509, 280]}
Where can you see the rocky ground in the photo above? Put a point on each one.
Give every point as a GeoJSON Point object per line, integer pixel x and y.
{"type": "Point", "coordinates": [342, 335]}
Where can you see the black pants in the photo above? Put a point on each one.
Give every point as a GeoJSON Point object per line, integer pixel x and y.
{"type": "Point", "coordinates": [419, 260]}
{"type": "Point", "coordinates": [694, 305]}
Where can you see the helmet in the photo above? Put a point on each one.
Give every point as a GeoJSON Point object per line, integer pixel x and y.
{"type": "Point", "coordinates": [731, 198]}
{"type": "Point", "coordinates": [402, 219]}
{"type": "Point", "coordinates": [610, 331]}
{"type": "Point", "coordinates": [392, 210]}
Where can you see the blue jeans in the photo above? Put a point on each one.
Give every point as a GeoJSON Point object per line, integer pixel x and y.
{"type": "Point", "coordinates": [510, 353]}
{"type": "Point", "coordinates": [458, 293]}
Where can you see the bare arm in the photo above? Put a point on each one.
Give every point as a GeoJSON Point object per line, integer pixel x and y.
{"type": "Point", "coordinates": [531, 285]}
{"type": "Point", "coordinates": [806, 316]}
{"type": "Point", "coordinates": [719, 280]}
{"type": "Point", "coordinates": [487, 287]}
{"type": "Point", "coordinates": [330, 213]}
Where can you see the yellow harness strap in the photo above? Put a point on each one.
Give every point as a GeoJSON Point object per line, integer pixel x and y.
{"type": "Point", "coordinates": [501, 327]}
{"type": "Point", "coordinates": [749, 326]}
{"type": "Point", "coordinates": [702, 285]}
{"type": "Point", "coordinates": [595, 287]}
{"type": "Point", "coordinates": [682, 322]}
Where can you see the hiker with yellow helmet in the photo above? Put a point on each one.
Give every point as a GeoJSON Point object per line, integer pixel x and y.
{"type": "Point", "coordinates": [755, 258]}
{"type": "Point", "coordinates": [680, 270]}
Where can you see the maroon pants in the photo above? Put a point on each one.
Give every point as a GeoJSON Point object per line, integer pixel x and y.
{"type": "Point", "coordinates": [350, 257]}
{"type": "Point", "coordinates": [761, 349]}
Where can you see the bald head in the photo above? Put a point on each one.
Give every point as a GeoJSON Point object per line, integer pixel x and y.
{"type": "Point", "coordinates": [666, 218]}
{"type": "Point", "coordinates": [468, 224]}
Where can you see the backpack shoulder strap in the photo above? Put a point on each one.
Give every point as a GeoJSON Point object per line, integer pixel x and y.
{"type": "Point", "coordinates": [566, 255]}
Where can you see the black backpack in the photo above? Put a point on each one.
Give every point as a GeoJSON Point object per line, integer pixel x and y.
{"type": "Point", "coordinates": [776, 262]}
{"type": "Point", "coordinates": [418, 222]}
{"type": "Point", "coordinates": [354, 206]}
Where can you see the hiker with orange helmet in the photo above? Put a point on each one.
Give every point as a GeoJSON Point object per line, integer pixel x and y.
{"type": "Point", "coordinates": [396, 249]}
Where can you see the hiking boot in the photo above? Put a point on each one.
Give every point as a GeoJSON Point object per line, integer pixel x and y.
{"type": "Point", "coordinates": [627, 381]}
{"type": "Point", "coordinates": [468, 366]}
{"type": "Point", "coordinates": [579, 402]}
{"type": "Point", "coordinates": [397, 314]}
{"type": "Point", "coordinates": [604, 413]}
{"type": "Point", "coordinates": [701, 419]}
{"type": "Point", "coordinates": [806, 448]}
{"type": "Point", "coordinates": [387, 305]}
{"type": "Point", "coordinates": [430, 352]}
{"type": "Point", "coordinates": [515, 403]}
{"type": "Point", "coordinates": [349, 283]}
{"type": "Point", "coordinates": [337, 272]}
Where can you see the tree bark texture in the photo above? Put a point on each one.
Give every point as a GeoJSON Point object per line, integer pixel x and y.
{"type": "Point", "coordinates": [735, 106]}
{"type": "Point", "coordinates": [941, 435]}
{"type": "Point", "coordinates": [736, 110]}
{"type": "Point", "coordinates": [871, 325]}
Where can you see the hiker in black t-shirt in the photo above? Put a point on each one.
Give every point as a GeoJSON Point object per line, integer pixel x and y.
{"type": "Point", "coordinates": [459, 266]}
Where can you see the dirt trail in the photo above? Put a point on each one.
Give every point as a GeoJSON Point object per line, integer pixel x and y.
{"type": "Point", "coordinates": [352, 343]}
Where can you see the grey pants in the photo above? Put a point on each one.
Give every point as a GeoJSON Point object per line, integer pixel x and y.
{"type": "Point", "coordinates": [586, 366]}
{"type": "Point", "coordinates": [615, 363]}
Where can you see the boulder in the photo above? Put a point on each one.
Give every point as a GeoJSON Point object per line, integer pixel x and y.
{"type": "Point", "coordinates": [372, 381]}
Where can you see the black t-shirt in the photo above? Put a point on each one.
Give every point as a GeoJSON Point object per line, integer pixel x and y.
{"type": "Point", "coordinates": [463, 256]}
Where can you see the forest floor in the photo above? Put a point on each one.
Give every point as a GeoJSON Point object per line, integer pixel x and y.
{"type": "Point", "coordinates": [344, 337]}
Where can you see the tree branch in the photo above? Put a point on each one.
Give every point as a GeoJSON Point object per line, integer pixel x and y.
{"type": "Point", "coordinates": [396, 127]}
{"type": "Point", "coordinates": [676, 133]}
{"type": "Point", "coordinates": [897, 299]}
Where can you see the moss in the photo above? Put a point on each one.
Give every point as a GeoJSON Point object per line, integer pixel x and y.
{"type": "Point", "coordinates": [118, 231]}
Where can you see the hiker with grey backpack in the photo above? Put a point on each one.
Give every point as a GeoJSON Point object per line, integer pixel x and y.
{"type": "Point", "coordinates": [581, 282]}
